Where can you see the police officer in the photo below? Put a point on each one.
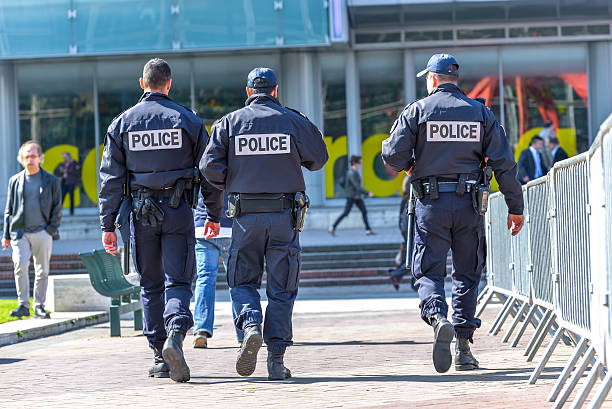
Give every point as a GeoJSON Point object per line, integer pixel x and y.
{"type": "Point", "coordinates": [256, 154]}
{"type": "Point", "coordinates": [152, 150]}
{"type": "Point", "coordinates": [450, 138]}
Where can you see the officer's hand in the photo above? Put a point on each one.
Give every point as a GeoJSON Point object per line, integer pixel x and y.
{"type": "Point", "coordinates": [515, 222]}
{"type": "Point", "coordinates": [5, 244]}
{"type": "Point", "coordinates": [109, 240]}
{"type": "Point", "coordinates": [211, 229]}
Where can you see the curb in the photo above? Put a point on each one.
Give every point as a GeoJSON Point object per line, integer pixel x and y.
{"type": "Point", "coordinates": [51, 329]}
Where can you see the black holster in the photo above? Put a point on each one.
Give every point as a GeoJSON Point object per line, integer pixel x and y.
{"type": "Point", "coordinates": [301, 204]}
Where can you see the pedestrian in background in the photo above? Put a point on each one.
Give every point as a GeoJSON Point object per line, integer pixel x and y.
{"type": "Point", "coordinates": [530, 162]}
{"type": "Point", "coordinates": [558, 153]}
{"type": "Point", "coordinates": [547, 132]}
{"type": "Point", "coordinates": [354, 190]}
{"type": "Point", "coordinates": [70, 173]}
{"type": "Point", "coordinates": [31, 220]}
{"type": "Point", "coordinates": [208, 253]}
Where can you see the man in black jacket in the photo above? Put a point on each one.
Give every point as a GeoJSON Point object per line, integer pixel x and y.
{"type": "Point", "coordinates": [558, 153]}
{"type": "Point", "coordinates": [530, 163]}
{"type": "Point", "coordinates": [31, 219]}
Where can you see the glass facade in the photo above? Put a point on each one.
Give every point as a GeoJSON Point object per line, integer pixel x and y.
{"type": "Point", "coordinates": [73, 27]}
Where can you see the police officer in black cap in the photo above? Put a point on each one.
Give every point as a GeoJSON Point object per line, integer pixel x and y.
{"type": "Point", "coordinates": [256, 154]}
{"type": "Point", "coordinates": [152, 152]}
{"type": "Point", "coordinates": [451, 142]}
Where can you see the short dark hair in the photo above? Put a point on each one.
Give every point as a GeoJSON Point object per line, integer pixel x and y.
{"type": "Point", "coordinates": [535, 139]}
{"type": "Point", "coordinates": [355, 159]}
{"type": "Point", "coordinates": [156, 73]}
{"type": "Point", "coordinates": [446, 77]}
{"type": "Point", "coordinates": [553, 139]}
{"type": "Point", "coordinates": [261, 90]}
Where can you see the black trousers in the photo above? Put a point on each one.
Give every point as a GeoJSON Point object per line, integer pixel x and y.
{"type": "Point", "coordinates": [347, 209]}
{"type": "Point", "coordinates": [68, 189]}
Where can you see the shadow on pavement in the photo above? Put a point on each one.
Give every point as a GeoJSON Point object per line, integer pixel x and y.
{"type": "Point", "coordinates": [6, 361]}
{"type": "Point", "coordinates": [481, 375]}
{"type": "Point", "coordinates": [304, 344]}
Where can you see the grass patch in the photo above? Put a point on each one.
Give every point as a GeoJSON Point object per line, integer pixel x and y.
{"type": "Point", "coordinates": [6, 306]}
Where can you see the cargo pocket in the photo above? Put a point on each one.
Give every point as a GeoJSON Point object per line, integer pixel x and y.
{"type": "Point", "coordinates": [295, 262]}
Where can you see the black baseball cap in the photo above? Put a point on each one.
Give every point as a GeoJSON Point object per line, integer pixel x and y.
{"type": "Point", "coordinates": [441, 64]}
{"type": "Point", "coordinates": [266, 76]}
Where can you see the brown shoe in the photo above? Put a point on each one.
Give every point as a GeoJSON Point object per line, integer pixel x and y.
{"type": "Point", "coordinates": [200, 340]}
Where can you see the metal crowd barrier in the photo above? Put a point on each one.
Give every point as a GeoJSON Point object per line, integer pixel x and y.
{"type": "Point", "coordinates": [556, 274]}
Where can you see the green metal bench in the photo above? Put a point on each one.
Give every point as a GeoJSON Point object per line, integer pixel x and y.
{"type": "Point", "coordinates": [106, 276]}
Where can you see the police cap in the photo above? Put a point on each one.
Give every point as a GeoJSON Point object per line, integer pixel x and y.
{"type": "Point", "coordinates": [266, 76]}
{"type": "Point", "coordinates": [441, 64]}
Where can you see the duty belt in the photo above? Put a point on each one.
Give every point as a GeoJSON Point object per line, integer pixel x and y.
{"type": "Point", "coordinates": [264, 202]}
{"type": "Point", "coordinates": [446, 187]}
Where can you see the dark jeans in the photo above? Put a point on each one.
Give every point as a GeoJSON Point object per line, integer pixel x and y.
{"type": "Point", "coordinates": [68, 189]}
{"type": "Point", "coordinates": [347, 209]}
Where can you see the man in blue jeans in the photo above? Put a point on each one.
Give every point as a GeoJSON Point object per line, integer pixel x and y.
{"type": "Point", "coordinates": [208, 252]}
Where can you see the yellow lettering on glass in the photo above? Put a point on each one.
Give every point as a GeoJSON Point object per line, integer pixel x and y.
{"type": "Point", "coordinates": [335, 149]}
{"type": "Point", "coordinates": [53, 157]}
{"type": "Point", "coordinates": [370, 149]}
{"type": "Point", "coordinates": [89, 172]}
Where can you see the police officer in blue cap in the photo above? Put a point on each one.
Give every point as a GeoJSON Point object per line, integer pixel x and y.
{"type": "Point", "coordinates": [151, 157]}
{"type": "Point", "coordinates": [256, 154]}
{"type": "Point", "coordinates": [451, 142]}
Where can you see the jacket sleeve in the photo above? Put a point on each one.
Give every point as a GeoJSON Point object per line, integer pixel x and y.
{"type": "Point", "coordinates": [213, 165]}
{"type": "Point", "coordinates": [312, 148]}
{"type": "Point", "coordinates": [55, 217]}
{"type": "Point", "coordinates": [497, 149]}
{"type": "Point", "coordinates": [112, 180]}
{"type": "Point", "coordinates": [398, 148]}
{"type": "Point", "coordinates": [522, 165]}
{"type": "Point", "coordinates": [8, 210]}
{"type": "Point", "coordinates": [213, 197]}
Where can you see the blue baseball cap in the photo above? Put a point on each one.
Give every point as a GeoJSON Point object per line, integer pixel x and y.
{"type": "Point", "coordinates": [266, 75]}
{"type": "Point", "coordinates": [441, 64]}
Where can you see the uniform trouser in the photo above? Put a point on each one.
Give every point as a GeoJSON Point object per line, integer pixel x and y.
{"type": "Point", "coordinates": [39, 245]}
{"type": "Point", "coordinates": [347, 209]}
{"type": "Point", "coordinates": [257, 237]}
{"type": "Point", "coordinates": [164, 256]}
{"type": "Point", "coordinates": [449, 222]}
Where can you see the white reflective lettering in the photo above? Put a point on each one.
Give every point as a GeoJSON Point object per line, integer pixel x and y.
{"type": "Point", "coordinates": [152, 140]}
{"type": "Point", "coordinates": [262, 144]}
{"type": "Point", "coordinates": [453, 131]}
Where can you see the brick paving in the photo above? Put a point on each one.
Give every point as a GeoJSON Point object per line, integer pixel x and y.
{"type": "Point", "coordinates": [349, 353]}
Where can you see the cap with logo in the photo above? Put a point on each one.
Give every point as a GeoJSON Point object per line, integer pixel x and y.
{"type": "Point", "coordinates": [265, 77]}
{"type": "Point", "coordinates": [441, 64]}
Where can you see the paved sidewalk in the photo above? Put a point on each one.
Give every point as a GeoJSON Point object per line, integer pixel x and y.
{"type": "Point", "coordinates": [349, 353]}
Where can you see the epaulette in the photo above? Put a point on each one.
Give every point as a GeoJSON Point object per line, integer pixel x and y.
{"type": "Point", "coordinates": [297, 112]}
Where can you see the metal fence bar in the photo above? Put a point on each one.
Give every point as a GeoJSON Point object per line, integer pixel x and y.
{"type": "Point", "coordinates": [517, 319]}
{"type": "Point", "coordinates": [578, 372]}
{"type": "Point", "coordinates": [567, 370]}
{"type": "Point", "coordinates": [551, 347]}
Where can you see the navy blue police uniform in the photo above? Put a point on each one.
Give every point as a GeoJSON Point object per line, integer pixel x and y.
{"type": "Point", "coordinates": [257, 152]}
{"type": "Point", "coordinates": [447, 137]}
{"type": "Point", "coordinates": [158, 144]}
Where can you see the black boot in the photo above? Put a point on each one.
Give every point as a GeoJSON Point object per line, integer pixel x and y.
{"type": "Point", "coordinates": [160, 368]}
{"type": "Point", "coordinates": [173, 355]}
{"type": "Point", "coordinates": [277, 371]}
{"type": "Point", "coordinates": [464, 360]}
{"type": "Point", "coordinates": [443, 336]}
{"type": "Point", "coordinates": [247, 355]}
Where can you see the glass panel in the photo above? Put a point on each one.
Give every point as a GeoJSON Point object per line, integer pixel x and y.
{"type": "Point", "coordinates": [334, 122]}
{"type": "Point", "coordinates": [533, 31]}
{"type": "Point", "coordinates": [381, 77]}
{"type": "Point", "coordinates": [56, 110]}
{"type": "Point", "coordinates": [556, 92]}
{"type": "Point", "coordinates": [220, 82]}
{"type": "Point", "coordinates": [304, 22]}
{"type": "Point", "coordinates": [428, 35]}
{"type": "Point", "coordinates": [600, 29]}
{"type": "Point", "coordinates": [482, 13]}
{"type": "Point", "coordinates": [378, 38]}
{"type": "Point", "coordinates": [527, 11]}
{"type": "Point", "coordinates": [467, 34]}
{"type": "Point", "coordinates": [34, 27]}
{"type": "Point", "coordinates": [127, 25]}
